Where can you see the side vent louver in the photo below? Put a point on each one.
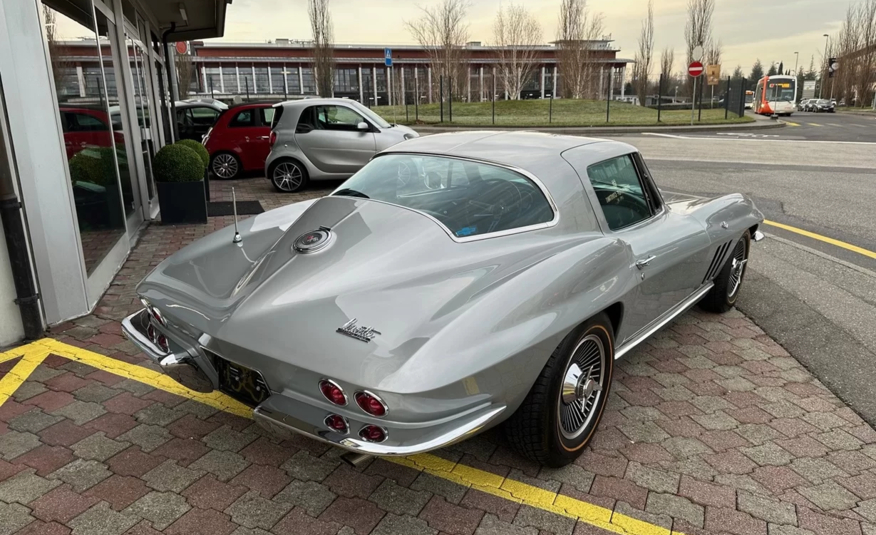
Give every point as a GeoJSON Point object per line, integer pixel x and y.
{"type": "Point", "coordinates": [716, 264]}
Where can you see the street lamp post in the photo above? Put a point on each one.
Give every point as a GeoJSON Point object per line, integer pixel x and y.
{"type": "Point", "coordinates": [796, 62]}
{"type": "Point", "coordinates": [285, 74]}
{"type": "Point", "coordinates": [826, 66]}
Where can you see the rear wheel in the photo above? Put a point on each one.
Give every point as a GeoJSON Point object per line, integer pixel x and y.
{"type": "Point", "coordinates": [722, 297]}
{"type": "Point", "coordinates": [564, 406]}
{"type": "Point", "coordinates": [287, 175]}
{"type": "Point", "coordinates": [225, 165]}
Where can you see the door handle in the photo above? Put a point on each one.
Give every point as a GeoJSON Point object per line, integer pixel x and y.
{"type": "Point", "coordinates": [264, 137]}
{"type": "Point", "coordinates": [644, 262]}
{"type": "Point", "coordinates": [246, 138]}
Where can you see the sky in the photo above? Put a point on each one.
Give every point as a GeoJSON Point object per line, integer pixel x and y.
{"type": "Point", "coordinates": [771, 30]}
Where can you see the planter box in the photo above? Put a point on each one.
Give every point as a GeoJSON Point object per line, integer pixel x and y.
{"type": "Point", "coordinates": [182, 202]}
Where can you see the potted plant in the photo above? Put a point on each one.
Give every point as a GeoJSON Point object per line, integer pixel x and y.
{"type": "Point", "coordinates": [179, 175]}
{"type": "Point", "coordinates": [205, 155]}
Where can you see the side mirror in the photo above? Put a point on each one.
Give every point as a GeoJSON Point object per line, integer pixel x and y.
{"type": "Point", "coordinates": [363, 126]}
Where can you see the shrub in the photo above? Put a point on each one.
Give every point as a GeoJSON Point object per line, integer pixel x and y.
{"type": "Point", "coordinates": [96, 165]}
{"type": "Point", "coordinates": [197, 147]}
{"type": "Point", "coordinates": [178, 163]}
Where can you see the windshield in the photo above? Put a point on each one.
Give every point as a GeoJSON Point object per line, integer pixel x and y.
{"type": "Point", "coordinates": [781, 90]}
{"type": "Point", "coordinates": [468, 198]}
{"type": "Point", "coordinates": [823, 102]}
{"type": "Point", "coordinates": [378, 120]}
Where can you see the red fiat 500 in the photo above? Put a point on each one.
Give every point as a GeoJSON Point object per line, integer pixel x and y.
{"type": "Point", "coordinates": [240, 140]}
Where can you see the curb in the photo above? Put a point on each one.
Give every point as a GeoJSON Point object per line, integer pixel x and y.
{"type": "Point", "coordinates": [758, 125]}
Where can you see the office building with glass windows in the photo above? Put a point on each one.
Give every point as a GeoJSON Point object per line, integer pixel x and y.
{"type": "Point", "coordinates": [84, 106]}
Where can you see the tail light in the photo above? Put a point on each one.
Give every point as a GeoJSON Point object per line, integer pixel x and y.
{"type": "Point", "coordinates": [273, 138]}
{"type": "Point", "coordinates": [333, 392]}
{"type": "Point", "coordinates": [154, 312]}
{"type": "Point", "coordinates": [337, 423]}
{"type": "Point", "coordinates": [372, 433]}
{"type": "Point", "coordinates": [371, 404]}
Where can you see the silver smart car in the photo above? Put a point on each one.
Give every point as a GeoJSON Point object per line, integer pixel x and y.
{"type": "Point", "coordinates": [315, 139]}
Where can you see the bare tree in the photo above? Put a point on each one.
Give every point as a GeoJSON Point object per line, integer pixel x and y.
{"type": "Point", "coordinates": [577, 30]}
{"type": "Point", "coordinates": [323, 43]}
{"type": "Point", "coordinates": [517, 34]}
{"type": "Point", "coordinates": [644, 56]}
{"type": "Point", "coordinates": [714, 52]}
{"type": "Point", "coordinates": [698, 29]}
{"type": "Point", "coordinates": [60, 64]}
{"type": "Point", "coordinates": [667, 62]}
{"type": "Point", "coordinates": [443, 32]}
{"type": "Point", "coordinates": [185, 72]}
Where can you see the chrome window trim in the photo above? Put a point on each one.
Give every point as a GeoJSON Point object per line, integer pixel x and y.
{"type": "Point", "coordinates": [524, 173]}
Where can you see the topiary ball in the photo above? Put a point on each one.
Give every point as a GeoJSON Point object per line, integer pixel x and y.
{"type": "Point", "coordinates": [197, 147]}
{"type": "Point", "coordinates": [178, 163]}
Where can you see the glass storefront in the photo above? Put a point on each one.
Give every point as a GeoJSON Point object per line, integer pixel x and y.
{"type": "Point", "coordinates": [95, 150]}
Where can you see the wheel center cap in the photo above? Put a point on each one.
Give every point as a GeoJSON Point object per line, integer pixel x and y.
{"type": "Point", "coordinates": [579, 386]}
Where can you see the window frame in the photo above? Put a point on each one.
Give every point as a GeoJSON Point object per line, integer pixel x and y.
{"type": "Point", "coordinates": [362, 118]}
{"type": "Point", "coordinates": [478, 237]}
{"type": "Point", "coordinates": [656, 204]}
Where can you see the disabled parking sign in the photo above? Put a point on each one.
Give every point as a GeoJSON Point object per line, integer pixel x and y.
{"type": "Point", "coordinates": [387, 56]}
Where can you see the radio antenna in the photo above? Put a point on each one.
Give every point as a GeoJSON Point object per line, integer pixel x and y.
{"type": "Point", "coordinates": [237, 237]}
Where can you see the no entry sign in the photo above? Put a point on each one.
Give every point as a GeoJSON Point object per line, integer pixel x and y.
{"type": "Point", "coordinates": [695, 69]}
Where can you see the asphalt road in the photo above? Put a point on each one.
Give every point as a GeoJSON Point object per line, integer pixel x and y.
{"type": "Point", "coordinates": [832, 127]}
{"type": "Point", "coordinates": [813, 297]}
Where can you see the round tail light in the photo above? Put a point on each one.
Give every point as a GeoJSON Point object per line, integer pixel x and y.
{"type": "Point", "coordinates": [162, 343]}
{"type": "Point", "coordinates": [273, 138]}
{"type": "Point", "coordinates": [337, 423]}
{"type": "Point", "coordinates": [371, 404]}
{"type": "Point", "coordinates": [332, 392]}
{"type": "Point", "coordinates": [373, 433]}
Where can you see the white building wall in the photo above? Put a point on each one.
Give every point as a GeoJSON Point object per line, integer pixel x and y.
{"type": "Point", "coordinates": [11, 330]}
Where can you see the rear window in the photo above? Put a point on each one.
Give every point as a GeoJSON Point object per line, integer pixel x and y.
{"type": "Point", "coordinates": [468, 198]}
{"type": "Point", "coordinates": [278, 112]}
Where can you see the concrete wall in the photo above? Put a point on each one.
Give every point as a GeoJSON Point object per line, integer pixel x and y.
{"type": "Point", "coordinates": [11, 330]}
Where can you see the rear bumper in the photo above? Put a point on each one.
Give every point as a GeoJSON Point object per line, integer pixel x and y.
{"type": "Point", "coordinates": [284, 416]}
{"type": "Point", "coordinates": [286, 413]}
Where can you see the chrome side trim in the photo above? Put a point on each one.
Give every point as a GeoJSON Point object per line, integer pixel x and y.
{"type": "Point", "coordinates": [526, 174]}
{"type": "Point", "coordinates": [271, 419]}
{"type": "Point", "coordinates": [661, 322]}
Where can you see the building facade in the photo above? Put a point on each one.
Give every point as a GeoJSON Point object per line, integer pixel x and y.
{"type": "Point", "coordinates": [284, 68]}
{"type": "Point", "coordinates": [79, 126]}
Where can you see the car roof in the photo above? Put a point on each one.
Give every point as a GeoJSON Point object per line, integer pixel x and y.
{"type": "Point", "coordinates": [535, 152]}
{"type": "Point", "coordinates": [311, 101]}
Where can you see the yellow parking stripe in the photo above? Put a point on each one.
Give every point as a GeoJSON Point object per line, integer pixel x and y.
{"type": "Point", "coordinates": [825, 239]}
{"type": "Point", "coordinates": [789, 123]}
{"type": "Point", "coordinates": [34, 353]}
{"type": "Point", "coordinates": [813, 124]}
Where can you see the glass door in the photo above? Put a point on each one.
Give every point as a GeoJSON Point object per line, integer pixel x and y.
{"type": "Point", "coordinates": [138, 59]}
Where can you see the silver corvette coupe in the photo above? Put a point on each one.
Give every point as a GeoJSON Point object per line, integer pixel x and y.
{"type": "Point", "coordinates": [456, 282]}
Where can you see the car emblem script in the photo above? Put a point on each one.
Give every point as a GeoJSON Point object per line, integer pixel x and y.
{"type": "Point", "coordinates": [313, 241]}
{"type": "Point", "coordinates": [363, 333]}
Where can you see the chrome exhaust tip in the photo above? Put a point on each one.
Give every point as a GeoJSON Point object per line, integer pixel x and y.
{"type": "Point", "coordinates": [355, 459]}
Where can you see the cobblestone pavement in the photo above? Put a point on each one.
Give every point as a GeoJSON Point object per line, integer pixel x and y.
{"type": "Point", "coordinates": [711, 428]}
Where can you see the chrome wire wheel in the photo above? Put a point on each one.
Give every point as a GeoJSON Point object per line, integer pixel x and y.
{"type": "Point", "coordinates": [225, 166]}
{"type": "Point", "coordinates": [287, 176]}
{"type": "Point", "coordinates": [737, 268]}
{"type": "Point", "coordinates": [583, 387]}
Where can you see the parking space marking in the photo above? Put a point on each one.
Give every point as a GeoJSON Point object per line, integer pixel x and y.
{"type": "Point", "coordinates": [813, 124]}
{"type": "Point", "coordinates": [825, 239]}
{"type": "Point", "coordinates": [789, 123]}
{"type": "Point", "coordinates": [33, 354]}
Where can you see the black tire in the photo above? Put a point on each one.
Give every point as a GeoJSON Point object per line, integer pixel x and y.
{"type": "Point", "coordinates": [225, 166]}
{"type": "Point", "coordinates": [288, 183]}
{"type": "Point", "coordinates": [537, 430]}
{"type": "Point", "coordinates": [722, 297]}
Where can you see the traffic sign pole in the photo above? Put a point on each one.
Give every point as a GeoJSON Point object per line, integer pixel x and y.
{"type": "Point", "coordinates": [693, 102]}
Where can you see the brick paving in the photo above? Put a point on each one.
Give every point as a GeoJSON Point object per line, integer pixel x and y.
{"type": "Point", "coordinates": [711, 428]}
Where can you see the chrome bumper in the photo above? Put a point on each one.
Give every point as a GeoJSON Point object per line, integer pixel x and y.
{"type": "Point", "coordinates": [180, 365]}
{"type": "Point", "coordinates": [284, 416]}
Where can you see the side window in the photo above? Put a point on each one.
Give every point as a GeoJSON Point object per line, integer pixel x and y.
{"type": "Point", "coordinates": [243, 118]}
{"type": "Point", "coordinates": [623, 200]}
{"type": "Point", "coordinates": [338, 118]}
{"type": "Point", "coordinates": [307, 120]}
{"type": "Point", "coordinates": [203, 116]}
{"type": "Point", "coordinates": [87, 123]}
{"type": "Point", "coordinates": [267, 116]}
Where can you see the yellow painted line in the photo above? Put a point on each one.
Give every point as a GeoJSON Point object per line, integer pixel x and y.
{"type": "Point", "coordinates": [19, 373]}
{"type": "Point", "coordinates": [813, 124]}
{"type": "Point", "coordinates": [34, 353]}
{"type": "Point", "coordinates": [825, 239]}
{"type": "Point", "coordinates": [789, 123]}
